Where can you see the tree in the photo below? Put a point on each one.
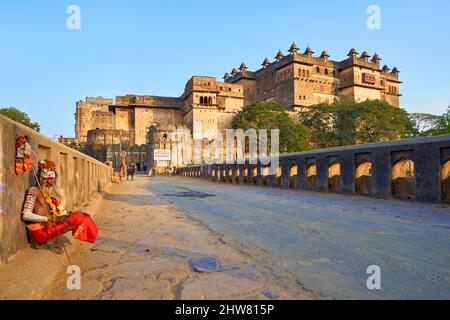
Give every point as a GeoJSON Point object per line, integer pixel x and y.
{"type": "Point", "coordinates": [424, 123]}
{"type": "Point", "coordinates": [19, 116]}
{"type": "Point", "coordinates": [348, 123]}
{"type": "Point", "coordinates": [443, 124]}
{"type": "Point", "coordinates": [270, 115]}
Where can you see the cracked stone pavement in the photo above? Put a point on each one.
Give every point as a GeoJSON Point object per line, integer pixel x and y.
{"type": "Point", "coordinates": [143, 251]}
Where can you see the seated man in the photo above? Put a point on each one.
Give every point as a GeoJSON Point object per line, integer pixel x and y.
{"type": "Point", "coordinates": [45, 216]}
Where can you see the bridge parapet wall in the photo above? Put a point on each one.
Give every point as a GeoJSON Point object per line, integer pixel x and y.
{"type": "Point", "coordinates": [79, 177]}
{"type": "Point", "coordinates": [414, 169]}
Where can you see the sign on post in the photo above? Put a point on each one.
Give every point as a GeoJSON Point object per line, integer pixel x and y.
{"type": "Point", "coordinates": [161, 155]}
{"type": "Point", "coordinates": [162, 163]}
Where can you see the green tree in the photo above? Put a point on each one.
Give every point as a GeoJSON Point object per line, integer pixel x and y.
{"type": "Point", "coordinates": [270, 115]}
{"type": "Point", "coordinates": [348, 123]}
{"type": "Point", "coordinates": [443, 124]}
{"type": "Point", "coordinates": [424, 123]}
{"type": "Point", "coordinates": [19, 116]}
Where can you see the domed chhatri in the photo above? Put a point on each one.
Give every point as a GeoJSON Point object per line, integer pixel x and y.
{"type": "Point", "coordinates": [279, 55]}
{"type": "Point", "coordinates": [266, 62]}
{"type": "Point", "coordinates": [309, 52]}
{"type": "Point", "coordinates": [293, 49]}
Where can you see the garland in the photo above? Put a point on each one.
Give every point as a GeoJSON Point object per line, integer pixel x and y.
{"type": "Point", "coordinates": [56, 208]}
{"type": "Point", "coordinates": [23, 155]}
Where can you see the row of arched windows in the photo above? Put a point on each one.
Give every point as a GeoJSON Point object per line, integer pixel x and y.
{"type": "Point", "coordinates": [392, 90]}
{"type": "Point", "coordinates": [303, 73]}
{"type": "Point", "coordinates": [206, 101]}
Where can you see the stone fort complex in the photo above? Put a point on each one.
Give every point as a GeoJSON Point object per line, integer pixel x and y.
{"type": "Point", "coordinates": [296, 80]}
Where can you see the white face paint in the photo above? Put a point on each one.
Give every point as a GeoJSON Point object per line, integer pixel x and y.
{"type": "Point", "coordinates": [48, 178]}
{"type": "Point", "coordinates": [49, 175]}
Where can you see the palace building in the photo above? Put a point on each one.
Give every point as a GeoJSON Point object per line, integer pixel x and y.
{"type": "Point", "coordinates": [295, 80]}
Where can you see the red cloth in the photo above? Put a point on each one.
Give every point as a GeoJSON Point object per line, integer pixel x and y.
{"type": "Point", "coordinates": [85, 229]}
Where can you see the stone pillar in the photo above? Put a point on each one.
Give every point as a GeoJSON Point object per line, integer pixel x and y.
{"type": "Point", "coordinates": [427, 166]}
{"type": "Point", "coordinates": [347, 162]}
{"type": "Point", "coordinates": [284, 173]}
{"type": "Point", "coordinates": [301, 173]}
{"type": "Point", "coordinates": [322, 173]}
{"type": "Point", "coordinates": [381, 173]}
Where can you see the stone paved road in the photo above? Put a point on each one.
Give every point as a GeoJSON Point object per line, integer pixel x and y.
{"type": "Point", "coordinates": [148, 249]}
{"type": "Point", "coordinates": [325, 242]}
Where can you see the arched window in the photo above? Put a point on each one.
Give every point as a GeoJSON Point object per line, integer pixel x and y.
{"type": "Point", "coordinates": [403, 179]}
{"type": "Point", "coordinates": [326, 71]}
{"type": "Point", "coordinates": [293, 176]}
{"type": "Point", "coordinates": [311, 173]}
{"type": "Point", "coordinates": [307, 73]}
{"type": "Point", "coordinates": [445, 181]}
{"type": "Point", "coordinates": [334, 177]}
{"type": "Point", "coordinates": [254, 175]}
{"type": "Point", "coordinates": [363, 183]}
{"type": "Point", "coordinates": [318, 69]}
{"type": "Point", "coordinates": [303, 73]}
{"type": "Point", "coordinates": [265, 175]}
{"type": "Point", "coordinates": [277, 178]}
{"type": "Point", "coordinates": [238, 174]}
{"type": "Point", "coordinates": [201, 100]}
{"type": "Point", "coordinates": [210, 101]}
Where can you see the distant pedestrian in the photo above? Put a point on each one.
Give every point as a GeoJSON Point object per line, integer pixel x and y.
{"type": "Point", "coordinates": [130, 170]}
{"type": "Point", "coordinates": [121, 171]}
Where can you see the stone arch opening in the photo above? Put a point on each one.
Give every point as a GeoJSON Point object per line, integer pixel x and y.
{"type": "Point", "coordinates": [265, 175]}
{"type": "Point", "coordinates": [255, 175]}
{"type": "Point", "coordinates": [230, 174]}
{"type": "Point", "coordinates": [334, 177]}
{"type": "Point", "coordinates": [293, 172]}
{"type": "Point", "coordinates": [445, 181]}
{"type": "Point", "coordinates": [311, 176]}
{"type": "Point", "coordinates": [218, 174]}
{"type": "Point", "coordinates": [245, 176]}
{"type": "Point", "coordinates": [238, 175]}
{"type": "Point", "coordinates": [363, 178]}
{"type": "Point", "coordinates": [277, 177]}
{"type": "Point", "coordinates": [404, 179]}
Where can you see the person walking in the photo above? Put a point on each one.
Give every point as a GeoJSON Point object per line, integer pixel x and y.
{"type": "Point", "coordinates": [122, 170]}
{"type": "Point", "coordinates": [130, 170]}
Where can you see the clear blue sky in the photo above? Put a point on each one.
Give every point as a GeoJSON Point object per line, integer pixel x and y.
{"type": "Point", "coordinates": [154, 47]}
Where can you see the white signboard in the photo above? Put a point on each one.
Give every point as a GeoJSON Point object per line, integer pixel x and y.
{"type": "Point", "coordinates": [161, 154]}
{"type": "Point", "coordinates": [162, 163]}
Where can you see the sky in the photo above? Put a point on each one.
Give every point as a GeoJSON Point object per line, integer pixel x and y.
{"type": "Point", "coordinates": [154, 47]}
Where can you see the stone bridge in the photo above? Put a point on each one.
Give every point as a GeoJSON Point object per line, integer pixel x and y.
{"type": "Point", "coordinates": [415, 169]}
{"type": "Point", "coordinates": [290, 245]}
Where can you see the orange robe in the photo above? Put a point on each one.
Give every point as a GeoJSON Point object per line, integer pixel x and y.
{"type": "Point", "coordinates": [85, 229]}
